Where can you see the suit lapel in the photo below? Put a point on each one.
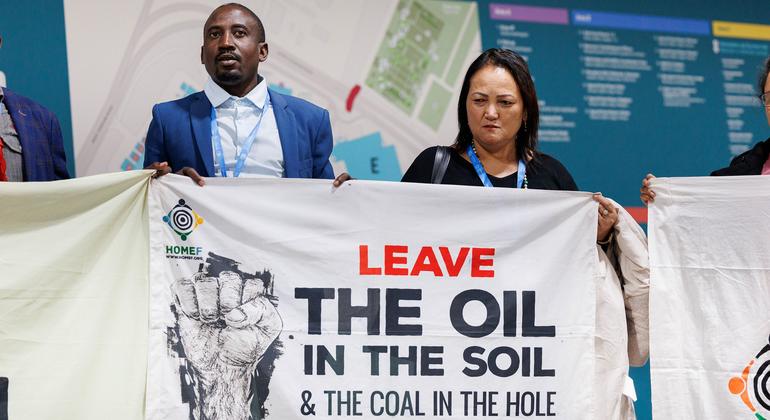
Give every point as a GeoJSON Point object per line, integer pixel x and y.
{"type": "Point", "coordinates": [200, 119]}
{"type": "Point", "coordinates": [20, 115]}
{"type": "Point", "coordinates": [287, 131]}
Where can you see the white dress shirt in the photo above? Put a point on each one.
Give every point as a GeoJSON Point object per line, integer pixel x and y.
{"type": "Point", "coordinates": [236, 117]}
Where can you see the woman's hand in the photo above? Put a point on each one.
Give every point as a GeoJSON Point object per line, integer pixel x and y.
{"type": "Point", "coordinates": [645, 193]}
{"type": "Point", "coordinates": [341, 179]}
{"type": "Point", "coordinates": [608, 217]}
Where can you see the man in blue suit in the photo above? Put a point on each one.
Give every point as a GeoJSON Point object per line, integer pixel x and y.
{"type": "Point", "coordinates": [30, 139]}
{"type": "Point", "coordinates": [237, 126]}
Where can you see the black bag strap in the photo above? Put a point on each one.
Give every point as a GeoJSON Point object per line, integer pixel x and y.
{"type": "Point", "coordinates": [440, 164]}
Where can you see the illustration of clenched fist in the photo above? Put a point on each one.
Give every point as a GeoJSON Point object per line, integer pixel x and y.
{"type": "Point", "coordinates": [226, 319]}
{"type": "Point", "coordinates": [225, 324]}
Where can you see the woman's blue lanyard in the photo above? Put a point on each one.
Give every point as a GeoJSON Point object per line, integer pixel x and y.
{"type": "Point", "coordinates": [241, 160]}
{"type": "Point", "coordinates": [520, 176]}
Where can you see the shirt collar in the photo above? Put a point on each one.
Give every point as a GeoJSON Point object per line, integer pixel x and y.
{"type": "Point", "coordinates": [218, 96]}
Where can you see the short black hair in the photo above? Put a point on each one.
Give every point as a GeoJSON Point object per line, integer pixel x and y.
{"type": "Point", "coordinates": [526, 138]}
{"type": "Point", "coordinates": [260, 26]}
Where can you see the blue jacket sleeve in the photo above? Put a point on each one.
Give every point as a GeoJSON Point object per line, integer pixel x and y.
{"type": "Point", "coordinates": [322, 149]}
{"type": "Point", "coordinates": [154, 148]}
{"type": "Point", "coordinates": [58, 156]}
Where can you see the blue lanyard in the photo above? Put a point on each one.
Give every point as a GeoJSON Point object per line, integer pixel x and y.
{"type": "Point", "coordinates": [520, 176]}
{"type": "Point", "coordinates": [241, 160]}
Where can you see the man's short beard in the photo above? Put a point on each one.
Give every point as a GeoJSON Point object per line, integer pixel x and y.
{"type": "Point", "coordinates": [229, 78]}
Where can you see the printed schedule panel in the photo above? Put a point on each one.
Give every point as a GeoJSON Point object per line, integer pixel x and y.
{"type": "Point", "coordinates": [627, 88]}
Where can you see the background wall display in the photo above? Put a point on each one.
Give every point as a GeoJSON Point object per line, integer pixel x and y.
{"type": "Point", "coordinates": [631, 88]}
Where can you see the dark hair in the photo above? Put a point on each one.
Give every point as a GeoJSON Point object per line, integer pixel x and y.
{"type": "Point", "coordinates": [526, 138]}
{"type": "Point", "coordinates": [260, 26]}
{"type": "Point", "coordinates": [763, 77]}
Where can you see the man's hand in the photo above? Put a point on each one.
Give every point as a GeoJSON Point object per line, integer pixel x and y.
{"type": "Point", "coordinates": [192, 174]}
{"type": "Point", "coordinates": [646, 194]}
{"type": "Point", "coordinates": [341, 178]}
{"type": "Point", "coordinates": [161, 168]}
{"type": "Point", "coordinates": [225, 326]}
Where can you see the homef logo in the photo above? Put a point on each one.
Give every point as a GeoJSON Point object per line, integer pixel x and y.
{"type": "Point", "coordinates": [754, 394]}
{"type": "Point", "coordinates": [183, 220]}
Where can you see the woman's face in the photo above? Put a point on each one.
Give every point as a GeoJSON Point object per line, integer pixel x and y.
{"type": "Point", "coordinates": [495, 107]}
{"type": "Point", "coordinates": [767, 92]}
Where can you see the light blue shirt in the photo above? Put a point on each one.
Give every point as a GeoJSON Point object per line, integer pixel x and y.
{"type": "Point", "coordinates": [236, 117]}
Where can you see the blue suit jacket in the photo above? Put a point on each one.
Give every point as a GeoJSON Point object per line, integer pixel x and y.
{"type": "Point", "coordinates": [180, 134]}
{"type": "Point", "coordinates": [42, 147]}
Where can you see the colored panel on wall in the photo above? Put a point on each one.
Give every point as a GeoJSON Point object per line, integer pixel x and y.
{"type": "Point", "coordinates": [33, 59]}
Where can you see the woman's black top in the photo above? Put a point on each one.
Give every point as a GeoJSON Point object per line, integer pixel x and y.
{"type": "Point", "coordinates": [543, 172]}
{"type": "Point", "coordinates": [748, 163]}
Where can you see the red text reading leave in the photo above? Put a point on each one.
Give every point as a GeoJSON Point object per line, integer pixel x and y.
{"type": "Point", "coordinates": [439, 261]}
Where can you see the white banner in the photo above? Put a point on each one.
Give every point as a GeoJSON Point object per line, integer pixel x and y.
{"type": "Point", "coordinates": [74, 298]}
{"type": "Point", "coordinates": [284, 299]}
{"type": "Point", "coordinates": [709, 306]}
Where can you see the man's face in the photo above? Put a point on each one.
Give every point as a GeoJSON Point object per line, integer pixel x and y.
{"type": "Point", "coordinates": [232, 50]}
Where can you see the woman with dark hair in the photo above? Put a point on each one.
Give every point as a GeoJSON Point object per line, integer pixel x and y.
{"type": "Point", "coordinates": [755, 161]}
{"type": "Point", "coordinates": [498, 117]}
{"type": "Point", "coordinates": [496, 145]}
